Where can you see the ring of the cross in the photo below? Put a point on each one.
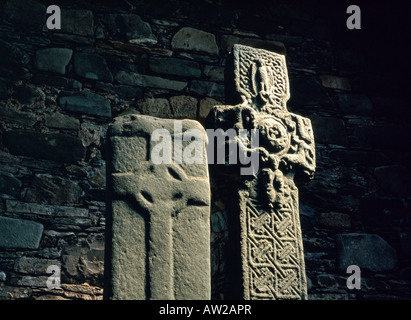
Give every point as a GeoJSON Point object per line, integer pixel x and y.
{"type": "Point", "coordinates": [275, 133]}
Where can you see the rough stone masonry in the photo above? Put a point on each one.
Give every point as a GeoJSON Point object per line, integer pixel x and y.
{"type": "Point", "coordinates": [158, 231]}
{"type": "Point", "coordinates": [272, 255]}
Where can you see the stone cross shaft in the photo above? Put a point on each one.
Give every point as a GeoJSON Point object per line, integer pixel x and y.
{"type": "Point", "coordinates": [271, 242]}
{"type": "Point", "coordinates": [159, 217]}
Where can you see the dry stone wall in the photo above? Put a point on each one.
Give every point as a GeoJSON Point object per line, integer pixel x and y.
{"type": "Point", "coordinates": [60, 89]}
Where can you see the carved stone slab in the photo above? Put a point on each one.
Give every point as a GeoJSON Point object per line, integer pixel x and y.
{"type": "Point", "coordinates": [271, 244]}
{"type": "Point", "coordinates": [158, 238]}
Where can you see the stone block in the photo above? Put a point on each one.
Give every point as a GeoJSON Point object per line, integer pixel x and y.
{"type": "Point", "coordinates": [86, 102]}
{"type": "Point", "coordinates": [214, 73]}
{"type": "Point", "coordinates": [92, 66]}
{"type": "Point", "coordinates": [84, 258]}
{"type": "Point", "coordinates": [329, 130]}
{"type": "Point", "coordinates": [141, 80]}
{"type": "Point", "coordinates": [78, 22]}
{"type": "Point", "coordinates": [53, 59]}
{"type": "Point", "coordinates": [368, 251]}
{"type": "Point", "coordinates": [334, 82]}
{"type": "Point", "coordinates": [207, 88]}
{"type": "Point", "coordinates": [129, 27]}
{"type": "Point", "coordinates": [191, 39]}
{"type": "Point", "coordinates": [50, 189]}
{"type": "Point", "coordinates": [51, 146]}
{"type": "Point", "coordinates": [20, 234]}
{"type": "Point", "coordinates": [156, 107]}
{"type": "Point", "coordinates": [33, 265]}
{"type": "Point", "coordinates": [335, 220]}
{"type": "Point", "coordinates": [307, 91]}
{"type": "Point", "coordinates": [175, 66]}
{"type": "Point", "coordinates": [354, 104]}
{"type": "Point", "coordinates": [184, 107]}
{"type": "Point", "coordinates": [12, 115]}
{"type": "Point", "coordinates": [159, 215]}
{"type": "Point", "coordinates": [59, 120]}
{"type": "Point", "coordinates": [19, 207]}
{"type": "Point", "coordinates": [9, 184]}
{"type": "Point", "coordinates": [206, 105]}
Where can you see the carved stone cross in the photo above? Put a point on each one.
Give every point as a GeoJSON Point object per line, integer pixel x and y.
{"type": "Point", "coordinates": [158, 216]}
{"type": "Point", "coordinates": [271, 243]}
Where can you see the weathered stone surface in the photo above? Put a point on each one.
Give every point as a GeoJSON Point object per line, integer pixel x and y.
{"type": "Point", "coordinates": [51, 146]}
{"type": "Point", "coordinates": [156, 107]}
{"type": "Point", "coordinates": [175, 66]}
{"type": "Point", "coordinates": [92, 66]}
{"type": "Point", "coordinates": [159, 236]}
{"type": "Point", "coordinates": [50, 189]}
{"type": "Point", "coordinates": [84, 259]}
{"type": "Point", "coordinates": [12, 61]}
{"type": "Point", "coordinates": [123, 90]}
{"type": "Point", "coordinates": [21, 234]}
{"type": "Point", "coordinates": [14, 206]}
{"type": "Point", "coordinates": [29, 95]}
{"type": "Point", "coordinates": [30, 281]}
{"type": "Point", "coordinates": [329, 130]}
{"type": "Point", "coordinates": [33, 266]}
{"type": "Point", "coordinates": [78, 22]}
{"type": "Point", "coordinates": [53, 59]}
{"type": "Point", "coordinates": [307, 91]}
{"type": "Point", "coordinates": [368, 251]}
{"type": "Point", "coordinates": [12, 115]}
{"type": "Point", "coordinates": [12, 293]}
{"type": "Point", "coordinates": [86, 102]}
{"type": "Point", "coordinates": [129, 27]}
{"type": "Point", "coordinates": [214, 73]}
{"type": "Point", "coordinates": [334, 82]}
{"type": "Point", "coordinates": [354, 103]}
{"type": "Point", "coordinates": [142, 80]}
{"type": "Point", "coordinates": [334, 220]}
{"type": "Point", "coordinates": [206, 105]}
{"type": "Point", "coordinates": [194, 40]}
{"type": "Point", "coordinates": [219, 221]}
{"type": "Point", "coordinates": [184, 107]}
{"type": "Point", "coordinates": [9, 184]}
{"type": "Point", "coordinates": [62, 121]}
{"type": "Point", "coordinates": [25, 13]}
{"type": "Point", "coordinates": [207, 88]}
{"type": "Point", "coordinates": [272, 258]}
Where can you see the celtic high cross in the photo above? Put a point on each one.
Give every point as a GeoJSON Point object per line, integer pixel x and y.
{"type": "Point", "coordinates": [272, 254]}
